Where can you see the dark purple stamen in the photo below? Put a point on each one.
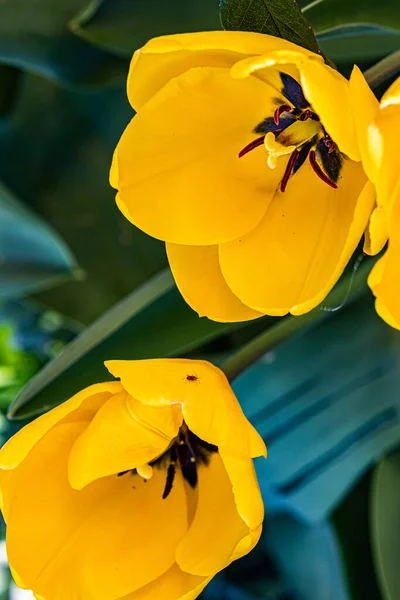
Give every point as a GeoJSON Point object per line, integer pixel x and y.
{"type": "Point", "coordinates": [289, 169]}
{"type": "Point", "coordinates": [308, 114]}
{"type": "Point", "coordinates": [169, 481]}
{"type": "Point", "coordinates": [317, 169]}
{"type": "Point", "coordinates": [254, 144]}
{"type": "Point", "coordinates": [329, 144]}
{"type": "Point", "coordinates": [281, 109]}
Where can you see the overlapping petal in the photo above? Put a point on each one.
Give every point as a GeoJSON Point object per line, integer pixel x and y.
{"type": "Point", "coordinates": [365, 107]}
{"type": "Point", "coordinates": [378, 129]}
{"type": "Point", "coordinates": [124, 434]}
{"type": "Point", "coordinates": [245, 489]}
{"type": "Point", "coordinates": [179, 177]}
{"type": "Point", "coordinates": [91, 509]}
{"type": "Point", "coordinates": [198, 275]}
{"type": "Point", "coordinates": [163, 382]}
{"type": "Point", "coordinates": [384, 279]}
{"type": "Point", "coordinates": [104, 525]}
{"type": "Point", "coordinates": [322, 86]}
{"type": "Point", "coordinates": [246, 226]}
{"type": "Point", "coordinates": [291, 260]}
{"type": "Point", "coordinates": [217, 527]}
{"type": "Point", "coordinates": [86, 402]}
{"type": "Point", "coordinates": [166, 57]}
{"type": "Point", "coordinates": [175, 585]}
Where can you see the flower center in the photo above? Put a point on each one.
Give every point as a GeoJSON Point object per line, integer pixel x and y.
{"type": "Point", "coordinates": [296, 130]}
{"type": "Point", "coordinates": [187, 452]}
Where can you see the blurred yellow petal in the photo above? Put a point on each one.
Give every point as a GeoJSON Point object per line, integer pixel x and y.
{"type": "Point", "coordinates": [123, 435]}
{"type": "Point", "coordinates": [88, 400]}
{"type": "Point", "coordinates": [383, 135]}
{"type": "Point", "coordinates": [384, 279]}
{"type": "Point", "coordinates": [114, 173]}
{"type": "Point", "coordinates": [246, 490]}
{"type": "Point", "coordinates": [385, 302]}
{"type": "Point", "coordinates": [293, 258]}
{"type": "Point", "coordinates": [365, 107]}
{"type": "Point", "coordinates": [209, 406]}
{"type": "Point", "coordinates": [392, 95]}
{"type": "Point", "coordinates": [172, 585]}
{"type": "Point", "coordinates": [17, 579]}
{"type": "Point", "coordinates": [329, 94]}
{"type": "Point", "coordinates": [100, 543]}
{"type": "Point", "coordinates": [196, 271]}
{"type": "Point", "coordinates": [180, 177]}
{"type": "Point", "coordinates": [166, 57]}
{"type": "Point", "coordinates": [217, 528]}
{"type": "Point", "coordinates": [376, 234]}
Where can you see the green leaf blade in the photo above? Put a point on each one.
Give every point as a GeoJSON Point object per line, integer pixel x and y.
{"type": "Point", "coordinates": [32, 255]}
{"type": "Point", "coordinates": [385, 524]}
{"type": "Point", "coordinates": [325, 15]}
{"type": "Point", "coordinates": [152, 322]}
{"type": "Point", "coordinates": [281, 18]}
{"type": "Point", "coordinates": [123, 26]}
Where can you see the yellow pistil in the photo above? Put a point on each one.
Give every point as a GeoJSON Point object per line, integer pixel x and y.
{"type": "Point", "coordinates": [145, 471]}
{"type": "Point", "coordinates": [275, 149]}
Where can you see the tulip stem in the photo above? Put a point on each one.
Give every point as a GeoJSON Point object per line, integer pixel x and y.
{"type": "Point", "coordinates": [346, 291]}
{"type": "Point", "coordinates": [382, 70]}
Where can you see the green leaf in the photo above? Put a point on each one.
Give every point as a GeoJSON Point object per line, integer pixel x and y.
{"type": "Point", "coordinates": [122, 26]}
{"type": "Point", "coordinates": [9, 86]}
{"type": "Point", "coordinates": [385, 525]}
{"type": "Point", "coordinates": [307, 557]}
{"type": "Point", "coordinates": [327, 403]}
{"type": "Point", "coordinates": [34, 37]}
{"type": "Point", "coordinates": [153, 321]}
{"type": "Point", "coordinates": [351, 522]}
{"type": "Point", "coordinates": [359, 44]}
{"type": "Point", "coordinates": [281, 18]}
{"type": "Point", "coordinates": [32, 255]}
{"type": "Point", "coordinates": [62, 141]}
{"type": "Point", "coordinates": [328, 14]}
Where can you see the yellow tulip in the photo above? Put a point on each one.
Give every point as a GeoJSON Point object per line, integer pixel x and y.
{"type": "Point", "coordinates": [243, 158]}
{"type": "Point", "coordinates": [135, 489]}
{"type": "Point", "coordinates": [378, 129]}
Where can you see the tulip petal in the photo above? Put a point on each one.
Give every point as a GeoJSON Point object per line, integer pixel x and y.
{"type": "Point", "coordinates": [196, 271]}
{"type": "Point", "coordinates": [123, 435]}
{"type": "Point", "coordinates": [392, 95]}
{"type": "Point", "coordinates": [376, 234]}
{"type": "Point", "coordinates": [87, 401]}
{"type": "Point", "coordinates": [383, 135]}
{"type": "Point", "coordinates": [114, 173]}
{"type": "Point", "coordinates": [180, 177]}
{"type": "Point", "coordinates": [384, 279]}
{"type": "Point", "coordinates": [217, 527]}
{"type": "Point", "coordinates": [386, 304]}
{"type": "Point", "coordinates": [166, 57]}
{"type": "Point", "coordinates": [365, 107]}
{"type": "Point", "coordinates": [288, 58]}
{"type": "Point", "coordinates": [209, 406]}
{"type": "Point", "coordinates": [172, 585]}
{"type": "Point", "coordinates": [293, 258]}
{"type": "Point", "coordinates": [323, 86]}
{"type": "Point", "coordinates": [100, 543]}
{"type": "Point", "coordinates": [247, 544]}
{"type": "Point", "coordinates": [246, 490]}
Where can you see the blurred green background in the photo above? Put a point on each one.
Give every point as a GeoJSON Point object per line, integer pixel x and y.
{"type": "Point", "coordinates": [79, 284]}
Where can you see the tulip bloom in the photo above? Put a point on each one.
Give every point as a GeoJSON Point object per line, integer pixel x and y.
{"type": "Point", "coordinates": [138, 489]}
{"type": "Point", "coordinates": [378, 129]}
{"type": "Point", "coordinates": [243, 158]}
